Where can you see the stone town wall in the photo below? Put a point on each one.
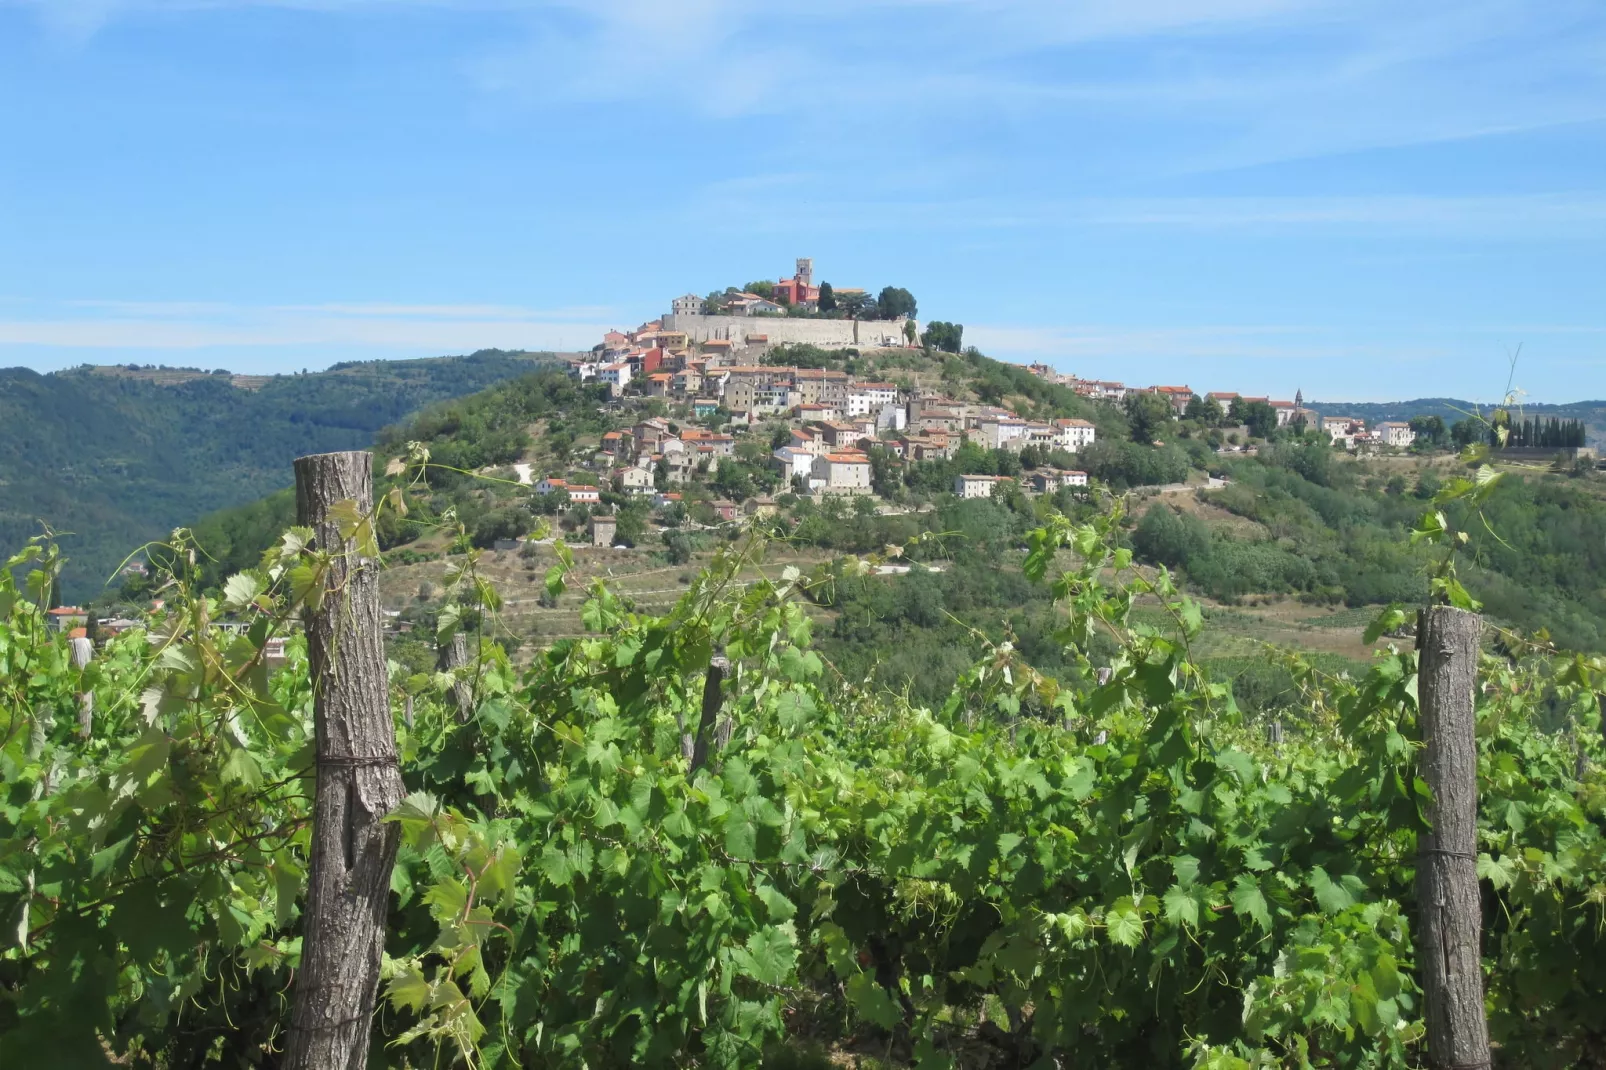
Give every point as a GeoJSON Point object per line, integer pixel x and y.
{"type": "Point", "coordinates": [831, 334]}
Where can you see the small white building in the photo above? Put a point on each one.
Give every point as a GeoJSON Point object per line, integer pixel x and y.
{"type": "Point", "coordinates": [823, 413]}
{"type": "Point", "coordinates": [1394, 433]}
{"type": "Point", "coordinates": [1002, 433]}
{"type": "Point", "coordinates": [1048, 480]}
{"type": "Point", "coordinates": [794, 462]}
{"type": "Point", "coordinates": [1073, 435]}
{"type": "Point", "coordinates": [864, 398]}
{"type": "Point", "coordinates": [616, 375]}
{"type": "Point", "coordinates": [978, 486]}
{"type": "Point", "coordinates": [634, 480]}
{"type": "Point", "coordinates": [584, 494]}
{"type": "Point", "coordinates": [1345, 429]}
{"type": "Point", "coordinates": [843, 472]}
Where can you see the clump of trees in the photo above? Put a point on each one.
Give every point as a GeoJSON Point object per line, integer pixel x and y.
{"type": "Point", "coordinates": [1537, 433]}
{"type": "Point", "coordinates": [943, 337]}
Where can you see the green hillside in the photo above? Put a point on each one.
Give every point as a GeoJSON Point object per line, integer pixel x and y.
{"type": "Point", "coordinates": [1299, 548]}
{"type": "Point", "coordinates": [117, 456]}
{"type": "Point", "coordinates": [1592, 413]}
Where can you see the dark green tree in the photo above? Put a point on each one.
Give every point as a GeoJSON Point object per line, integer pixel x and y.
{"type": "Point", "coordinates": [855, 305]}
{"type": "Point", "coordinates": [1260, 417]}
{"type": "Point", "coordinates": [1147, 413]}
{"type": "Point", "coordinates": [894, 302]}
{"type": "Point", "coordinates": [943, 337]}
{"type": "Point", "coordinates": [1206, 410]}
{"type": "Point", "coordinates": [1430, 432]}
{"type": "Point", "coordinates": [827, 302]}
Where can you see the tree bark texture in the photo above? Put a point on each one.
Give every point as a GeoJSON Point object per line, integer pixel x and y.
{"type": "Point", "coordinates": [358, 783]}
{"type": "Point", "coordinates": [1447, 870]}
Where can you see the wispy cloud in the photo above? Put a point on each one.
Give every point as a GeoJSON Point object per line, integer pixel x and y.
{"type": "Point", "coordinates": [1241, 82]}
{"type": "Point", "coordinates": [424, 329]}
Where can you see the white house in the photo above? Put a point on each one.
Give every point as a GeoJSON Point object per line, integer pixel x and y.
{"type": "Point", "coordinates": [1344, 429]}
{"type": "Point", "coordinates": [1002, 433]}
{"type": "Point", "coordinates": [1073, 435]}
{"type": "Point", "coordinates": [616, 375]}
{"type": "Point", "coordinates": [584, 494]}
{"type": "Point", "coordinates": [634, 480]}
{"type": "Point", "coordinates": [978, 486]}
{"type": "Point", "coordinates": [827, 413]}
{"type": "Point", "coordinates": [1394, 433]}
{"type": "Point", "coordinates": [866, 398]}
{"type": "Point", "coordinates": [794, 462]}
{"type": "Point", "coordinates": [550, 484]}
{"type": "Point", "coordinates": [808, 440]}
{"type": "Point", "coordinates": [843, 472]}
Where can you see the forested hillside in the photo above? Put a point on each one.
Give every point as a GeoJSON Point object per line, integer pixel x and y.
{"type": "Point", "coordinates": [118, 457]}
{"type": "Point", "coordinates": [1318, 535]}
{"type": "Point", "coordinates": [1450, 410]}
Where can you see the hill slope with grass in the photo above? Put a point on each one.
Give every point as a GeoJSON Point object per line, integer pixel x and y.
{"type": "Point", "coordinates": [1301, 547]}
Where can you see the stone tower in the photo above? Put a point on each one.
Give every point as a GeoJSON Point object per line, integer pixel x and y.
{"type": "Point", "coordinates": [805, 270]}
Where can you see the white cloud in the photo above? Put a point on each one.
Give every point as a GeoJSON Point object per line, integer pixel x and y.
{"type": "Point", "coordinates": [423, 329]}
{"type": "Point", "coordinates": [1243, 81]}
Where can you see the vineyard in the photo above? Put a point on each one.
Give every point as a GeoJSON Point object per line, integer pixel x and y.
{"type": "Point", "coordinates": [685, 839]}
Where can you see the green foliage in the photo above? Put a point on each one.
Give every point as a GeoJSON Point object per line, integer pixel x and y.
{"type": "Point", "coordinates": [1116, 866]}
{"type": "Point", "coordinates": [943, 336]}
{"type": "Point", "coordinates": [118, 458]}
{"type": "Point", "coordinates": [1149, 414]}
{"type": "Point", "coordinates": [895, 301]}
{"type": "Point", "coordinates": [1121, 465]}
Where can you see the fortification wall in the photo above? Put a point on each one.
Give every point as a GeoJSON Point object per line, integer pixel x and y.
{"type": "Point", "coordinates": [831, 334]}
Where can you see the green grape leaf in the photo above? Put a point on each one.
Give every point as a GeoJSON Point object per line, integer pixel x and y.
{"type": "Point", "coordinates": [769, 955]}
{"type": "Point", "coordinates": [1124, 927]}
{"type": "Point", "coordinates": [1249, 902]}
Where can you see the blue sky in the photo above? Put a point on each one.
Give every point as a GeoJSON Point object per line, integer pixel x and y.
{"type": "Point", "coordinates": [1367, 200]}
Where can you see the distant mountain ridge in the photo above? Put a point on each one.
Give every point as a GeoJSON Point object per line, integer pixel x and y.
{"type": "Point", "coordinates": [1592, 413]}
{"type": "Point", "coordinates": [121, 455]}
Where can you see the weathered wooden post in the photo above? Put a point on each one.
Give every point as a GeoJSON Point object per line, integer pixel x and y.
{"type": "Point", "coordinates": [358, 782]}
{"type": "Point", "coordinates": [82, 652]}
{"type": "Point", "coordinates": [1450, 948]}
{"type": "Point", "coordinates": [696, 748]}
{"type": "Point", "coordinates": [449, 657]}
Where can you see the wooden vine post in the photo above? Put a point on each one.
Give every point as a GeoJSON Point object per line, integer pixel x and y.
{"type": "Point", "coordinates": [1451, 939]}
{"type": "Point", "coordinates": [358, 782]}
{"type": "Point", "coordinates": [82, 652]}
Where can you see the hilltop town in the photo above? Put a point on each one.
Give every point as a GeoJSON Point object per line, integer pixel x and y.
{"type": "Point", "coordinates": [801, 369]}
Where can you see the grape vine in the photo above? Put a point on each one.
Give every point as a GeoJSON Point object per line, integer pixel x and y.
{"type": "Point", "coordinates": [1110, 868]}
